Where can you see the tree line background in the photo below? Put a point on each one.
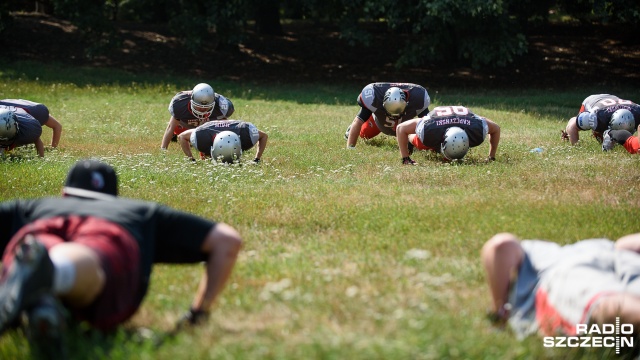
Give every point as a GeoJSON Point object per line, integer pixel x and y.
{"type": "Point", "coordinates": [478, 33]}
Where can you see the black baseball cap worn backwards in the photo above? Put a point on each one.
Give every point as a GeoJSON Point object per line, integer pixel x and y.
{"type": "Point", "coordinates": [91, 179]}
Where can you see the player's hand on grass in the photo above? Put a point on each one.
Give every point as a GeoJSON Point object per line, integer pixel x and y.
{"type": "Point", "coordinates": [597, 135]}
{"type": "Point", "coordinates": [408, 161]}
{"type": "Point", "coordinates": [564, 135]}
{"type": "Point", "coordinates": [192, 318]}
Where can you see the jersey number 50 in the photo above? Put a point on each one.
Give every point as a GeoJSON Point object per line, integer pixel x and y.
{"type": "Point", "coordinates": [450, 110]}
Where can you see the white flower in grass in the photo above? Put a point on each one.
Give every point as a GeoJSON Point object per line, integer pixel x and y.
{"type": "Point", "coordinates": [272, 288]}
{"type": "Point", "coordinates": [352, 291]}
{"type": "Point", "coordinates": [418, 254]}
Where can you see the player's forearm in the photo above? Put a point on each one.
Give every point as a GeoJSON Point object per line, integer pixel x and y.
{"type": "Point", "coordinates": [57, 130]}
{"type": "Point", "coordinates": [356, 126]}
{"type": "Point", "coordinates": [39, 147]}
{"type": "Point", "coordinates": [403, 144]}
{"type": "Point", "coordinates": [262, 144]}
{"type": "Point", "coordinates": [166, 139]}
{"type": "Point", "coordinates": [493, 144]}
{"type": "Point", "coordinates": [572, 131]}
{"type": "Point", "coordinates": [186, 148]}
{"type": "Point", "coordinates": [168, 133]}
{"type": "Point", "coordinates": [225, 244]}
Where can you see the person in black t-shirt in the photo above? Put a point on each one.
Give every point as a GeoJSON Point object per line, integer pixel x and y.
{"type": "Point", "coordinates": [93, 251]}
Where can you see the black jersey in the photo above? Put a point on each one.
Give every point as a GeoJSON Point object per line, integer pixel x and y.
{"type": "Point", "coordinates": [592, 101]}
{"type": "Point", "coordinates": [372, 97]}
{"type": "Point", "coordinates": [164, 235]}
{"type": "Point", "coordinates": [29, 130]}
{"type": "Point", "coordinates": [39, 111]}
{"type": "Point", "coordinates": [203, 136]}
{"type": "Point", "coordinates": [180, 109]}
{"type": "Point", "coordinates": [606, 106]}
{"type": "Point", "coordinates": [431, 128]}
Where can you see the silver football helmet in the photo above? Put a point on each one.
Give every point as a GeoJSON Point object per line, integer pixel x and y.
{"type": "Point", "coordinates": [394, 102]}
{"type": "Point", "coordinates": [203, 99]}
{"type": "Point", "coordinates": [455, 144]}
{"type": "Point", "coordinates": [226, 147]}
{"type": "Point", "coordinates": [586, 121]}
{"type": "Point", "coordinates": [622, 119]}
{"type": "Point", "coordinates": [8, 125]}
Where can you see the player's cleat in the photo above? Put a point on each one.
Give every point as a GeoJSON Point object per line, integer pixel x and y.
{"type": "Point", "coordinates": [28, 278]}
{"type": "Point", "coordinates": [174, 138]}
{"type": "Point", "coordinates": [346, 134]}
{"type": "Point", "coordinates": [46, 328]}
{"type": "Point", "coordinates": [607, 142]}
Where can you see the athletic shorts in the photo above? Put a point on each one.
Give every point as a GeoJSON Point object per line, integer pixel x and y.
{"type": "Point", "coordinates": [419, 145]}
{"type": "Point", "coordinates": [119, 256]}
{"type": "Point", "coordinates": [632, 145]}
{"type": "Point", "coordinates": [369, 129]}
{"type": "Point", "coordinates": [179, 129]}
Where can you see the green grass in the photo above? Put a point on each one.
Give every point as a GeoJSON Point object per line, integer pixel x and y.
{"type": "Point", "coordinates": [347, 254]}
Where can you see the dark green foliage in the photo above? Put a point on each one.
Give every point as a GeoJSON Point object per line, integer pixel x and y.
{"type": "Point", "coordinates": [5, 18]}
{"type": "Point", "coordinates": [470, 32]}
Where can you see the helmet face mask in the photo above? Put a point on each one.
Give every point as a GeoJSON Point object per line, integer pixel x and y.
{"type": "Point", "coordinates": [394, 103]}
{"type": "Point", "coordinates": [8, 125]}
{"type": "Point", "coordinates": [455, 144]}
{"type": "Point", "coordinates": [622, 119]}
{"type": "Point", "coordinates": [203, 100]}
{"type": "Point", "coordinates": [226, 147]}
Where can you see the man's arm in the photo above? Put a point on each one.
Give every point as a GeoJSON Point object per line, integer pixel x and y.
{"type": "Point", "coordinates": [494, 138]}
{"type": "Point", "coordinates": [57, 130]}
{"type": "Point", "coordinates": [262, 143]}
{"type": "Point", "coordinates": [223, 244]}
{"type": "Point", "coordinates": [402, 135]}
{"type": "Point", "coordinates": [168, 133]}
{"type": "Point", "coordinates": [629, 242]}
{"type": "Point", "coordinates": [501, 256]}
{"type": "Point", "coordinates": [354, 132]}
{"type": "Point", "coordinates": [185, 144]}
{"type": "Point", "coordinates": [573, 131]}
{"type": "Point", "coordinates": [39, 147]}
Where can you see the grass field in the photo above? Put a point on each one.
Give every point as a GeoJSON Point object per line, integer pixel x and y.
{"type": "Point", "coordinates": [347, 254]}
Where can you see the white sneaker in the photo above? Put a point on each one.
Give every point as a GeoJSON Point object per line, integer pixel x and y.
{"type": "Point", "coordinates": [607, 142]}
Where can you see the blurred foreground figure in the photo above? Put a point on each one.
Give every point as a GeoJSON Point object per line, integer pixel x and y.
{"type": "Point", "coordinates": [542, 287]}
{"type": "Point", "coordinates": [93, 253]}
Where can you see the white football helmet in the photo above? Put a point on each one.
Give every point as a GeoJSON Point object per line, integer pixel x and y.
{"type": "Point", "coordinates": [394, 102]}
{"type": "Point", "coordinates": [226, 147]}
{"type": "Point", "coordinates": [622, 119]}
{"type": "Point", "coordinates": [8, 125]}
{"type": "Point", "coordinates": [455, 144]}
{"type": "Point", "coordinates": [203, 99]}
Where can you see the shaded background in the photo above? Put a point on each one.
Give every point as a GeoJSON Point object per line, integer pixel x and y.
{"type": "Point", "coordinates": [462, 44]}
